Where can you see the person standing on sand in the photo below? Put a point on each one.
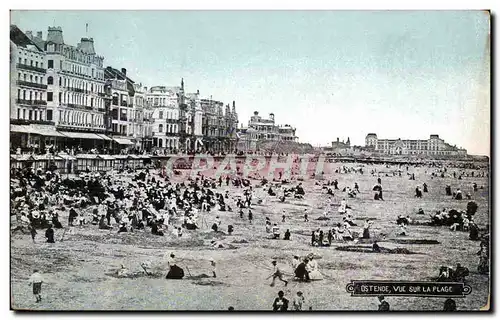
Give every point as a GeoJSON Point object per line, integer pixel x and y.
{"type": "Point", "coordinates": [36, 280]}
{"type": "Point", "coordinates": [49, 234]}
{"type": "Point", "coordinates": [280, 303]}
{"type": "Point", "coordinates": [277, 274]}
{"type": "Point", "coordinates": [298, 301]}
{"type": "Point", "coordinates": [32, 231]}
{"type": "Point", "coordinates": [213, 266]}
{"type": "Point", "coordinates": [384, 305]}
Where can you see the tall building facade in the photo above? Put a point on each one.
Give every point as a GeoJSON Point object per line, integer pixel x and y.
{"type": "Point", "coordinates": [434, 146]}
{"type": "Point", "coordinates": [27, 78]}
{"type": "Point", "coordinates": [220, 124]}
{"type": "Point", "coordinates": [85, 106]}
{"type": "Point", "coordinates": [164, 102]}
{"type": "Point", "coordinates": [75, 80]}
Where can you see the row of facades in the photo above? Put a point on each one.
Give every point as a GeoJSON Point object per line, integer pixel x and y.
{"type": "Point", "coordinates": [63, 96]}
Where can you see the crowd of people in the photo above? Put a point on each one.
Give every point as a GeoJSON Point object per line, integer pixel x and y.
{"type": "Point", "coordinates": [149, 200]}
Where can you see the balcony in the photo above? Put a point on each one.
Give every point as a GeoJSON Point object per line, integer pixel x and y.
{"type": "Point", "coordinates": [31, 68]}
{"type": "Point", "coordinates": [123, 103]}
{"type": "Point", "coordinates": [101, 94]}
{"type": "Point", "coordinates": [32, 84]}
{"type": "Point", "coordinates": [32, 102]}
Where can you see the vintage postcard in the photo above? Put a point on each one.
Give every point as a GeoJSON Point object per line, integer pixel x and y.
{"type": "Point", "coordinates": [279, 161]}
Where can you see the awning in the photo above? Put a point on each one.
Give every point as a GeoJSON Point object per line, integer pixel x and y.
{"type": "Point", "coordinates": [123, 141]}
{"type": "Point", "coordinates": [45, 130]}
{"type": "Point", "coordinates": [82, 135]}
{"type": "Point", "coordinates": [104, 137]}
{"type": "Point", "coordinates": [20, 128]}
{"type": "Point", "coordinates": [106, 157]}
{"type": "Point", "coordinates": [40, 129]}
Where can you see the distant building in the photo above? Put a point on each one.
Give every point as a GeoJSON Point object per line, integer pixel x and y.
{"type": "Point", "coordinates": [261, 129]}
{"type": "Point", "coordinates": [434, 146]}
{"type": "Point", "coordinates": [219, 126]}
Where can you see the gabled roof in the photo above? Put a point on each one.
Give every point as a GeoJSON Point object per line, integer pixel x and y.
{"type": "Point", "coordinates": [112, 73]}
{"type": "Point", "coordinates": [21, 39]}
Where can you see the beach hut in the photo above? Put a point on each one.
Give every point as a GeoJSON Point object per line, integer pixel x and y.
{"type": "Point", "coordinates": [21, 161]}
{"type": "Point", "coordinates": [87, 162]}
{"type": "Point", "coordinates": [134, 161]}
{"type": "Point", "coordinates": [120, 162]}
{"type": "Point", "coordinates": [105, 162]}
{"type": "Point", "coordinates": [46, 162]}
{"type": "Point", "coordinates": [68, 164]}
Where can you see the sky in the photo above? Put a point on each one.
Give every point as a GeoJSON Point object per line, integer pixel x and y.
{"type": "Point", "coordinates": [399, 74]}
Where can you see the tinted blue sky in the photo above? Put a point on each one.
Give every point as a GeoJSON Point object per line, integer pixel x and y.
{"type": "Point", "coordinates": [329, 73]}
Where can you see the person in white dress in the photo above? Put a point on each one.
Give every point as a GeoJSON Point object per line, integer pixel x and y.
{"type": "Point", "coordinates": [313, 269]}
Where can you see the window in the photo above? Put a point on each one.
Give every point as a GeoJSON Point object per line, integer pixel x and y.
{"type": "Point", "coordinates": [160, 128]}
{"type": "Point", "coordinates": [19, 75]}
{"type": "Point", "coordinates": [24, 114]}
{"type": "Point", "coordinates": [19, 113]}
{"type": "Point", "coordinates": [41, 115]}
{"type": "Point", "coordinates": [36, 64]}
{"type": "Point", "coordinates": [30, 115]}
{"type": "Point", "coordinates": [60, 81]}
{"type": "Point", "coordinates": [31, 78]}
{"type": "Point", "coordinates": [50, 64]}
{"type": "Point", "coordinates": [36, 79]}
{"type": "Point", "coordinates": [36, 95]}
{"type": "Point", "coordinates": [161, 115]}
{"type": "Point", "coordinates": [31, 95]}
{"type": "Point", "coordinates": [20, 61]}
{"type": "Point", "coordinates": [26, 61]}
{"type": "Point", "coordinates": [18, 94]}
{"type": "Point", "coordinates": [24, 94]}
{"type": "Point", "coordinates": [41, 64]}
{"type": "Point", "coordinates": [91, 87]}
{"type": "Point", "coordinates": [60, 97]}
{"type": "Point", "coordinates": [36, 115]}
{"type": "Point", "coordinates": [91, 102]}
{"type": "Point", "coordinates": [50, 96]}
{"type": "Point", "coordinates": [31, 63]}
{"type": "Point", "coordinates": [24, 76]}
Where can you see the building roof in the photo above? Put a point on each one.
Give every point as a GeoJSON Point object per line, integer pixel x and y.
{"type": "Point", "coordinates": [21, 39]}
{"type": "Point", "coordinates": [112, 73]}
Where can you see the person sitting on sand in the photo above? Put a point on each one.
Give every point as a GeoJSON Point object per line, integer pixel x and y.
{"type": "Point", "coordinates": [366, 229]}
{"type": "Point", "coordinates": [313, 269]}
{"type": "Point", "coordinates": [49, 234]}
{"type": "Point", "coordinates": [102, 223]}
{"type": "Point", "coordinates": [287, 235]}
{"type": "Point", "coordinates": [301, 271]}
{"type": "Point", "coordinates": [276, 231]}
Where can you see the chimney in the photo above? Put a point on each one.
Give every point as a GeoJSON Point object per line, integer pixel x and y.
{"type": "Point", "coordinates": [39, 34]}
{"type": "Point", "coordinates": [198, 91]}
{"type": "Point", "coordinates": [337, 139]}
{"type": "Point", "coordinates": [124, 71]}
{"type": "Point", "coordinates": [29, 34]}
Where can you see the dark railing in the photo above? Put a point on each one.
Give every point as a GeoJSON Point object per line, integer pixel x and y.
{"type": "Point", "coordinates": [28, 67]}
{"type": "Point", "coordinates": [101, 94]}
{"type": "Point", "coordinates": [31, 84]}
{"type": "Point", "coordinates": [130, 105]}
{"type": "Point", "coordinates": [101, 109]}
{"type": "Point", "coordinates": [22, 121]}
{"type": "Point", "coordinates": [123, 104]}
{"type": "Point", "coordinates": [32, 102]}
